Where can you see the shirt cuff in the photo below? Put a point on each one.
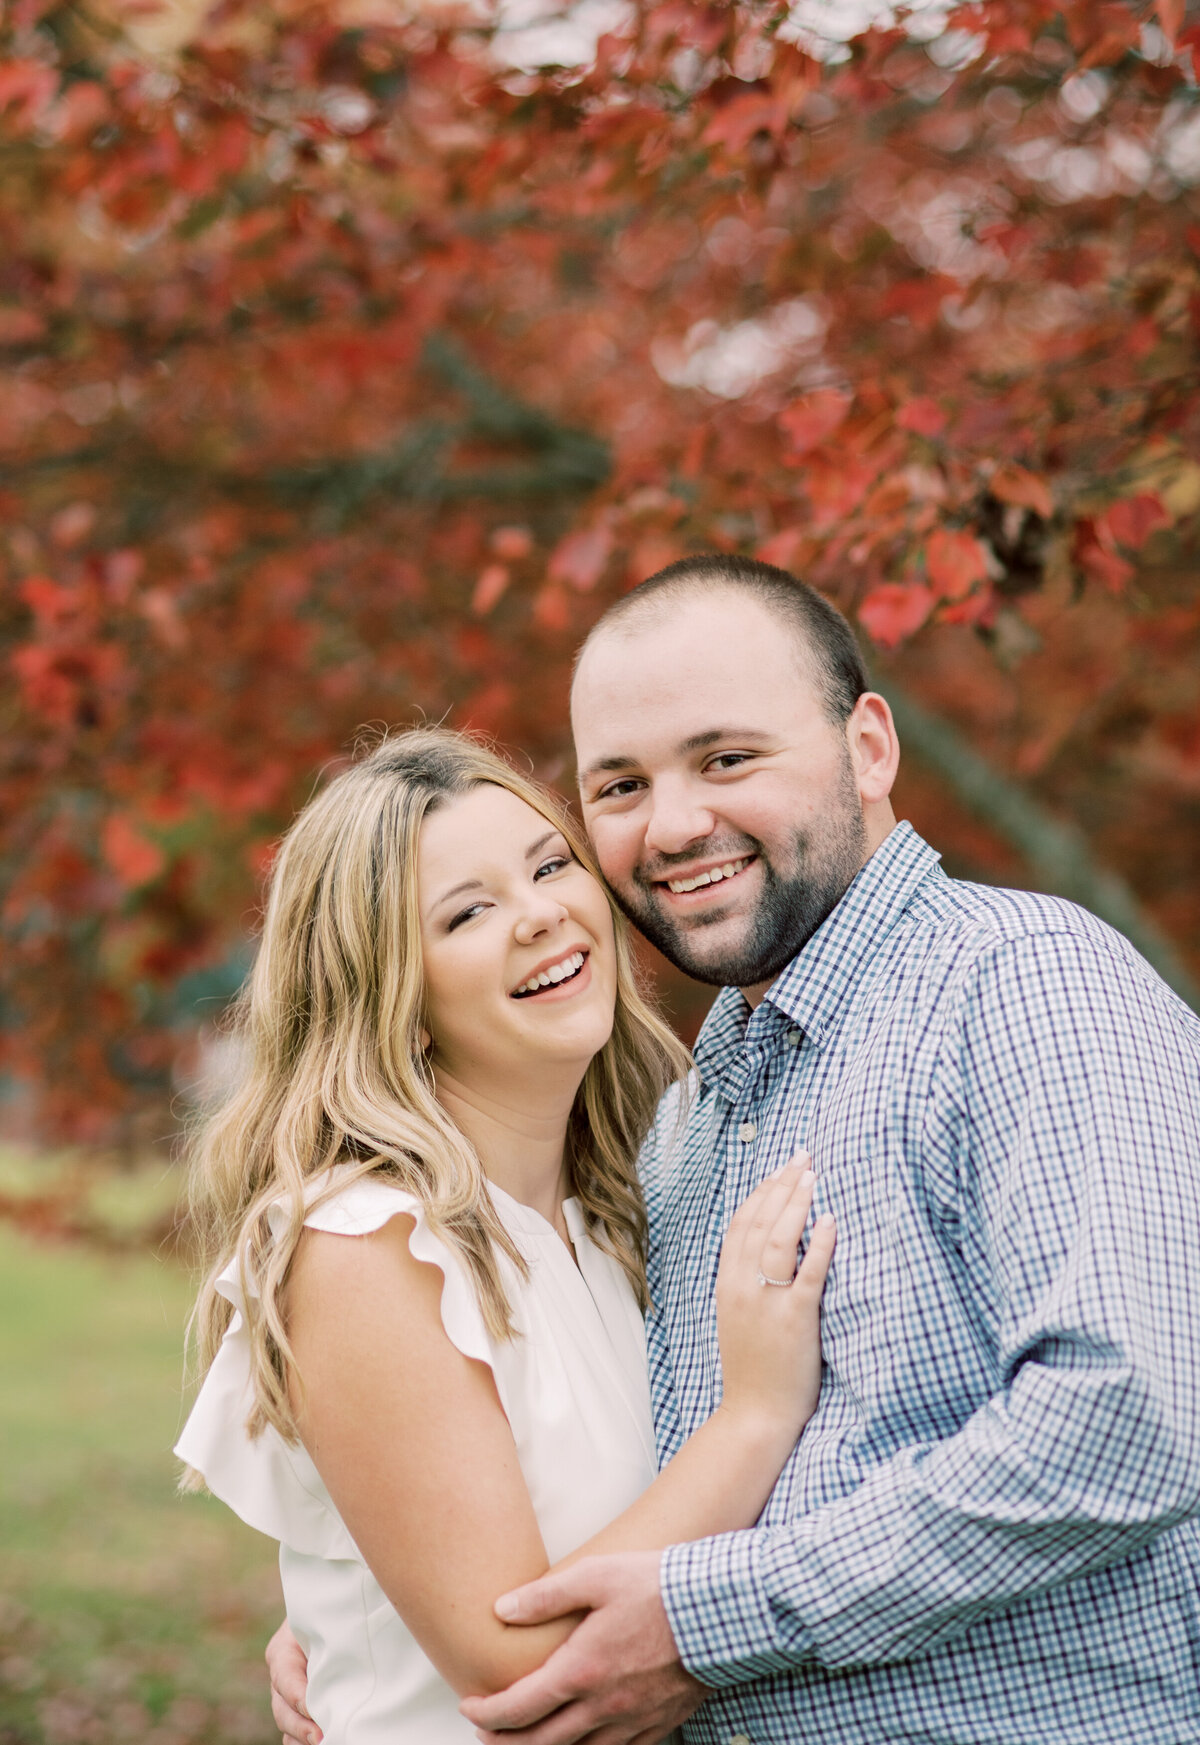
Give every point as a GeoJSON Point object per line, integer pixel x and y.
{"type": "Point", "coordinates": [726, 1629]}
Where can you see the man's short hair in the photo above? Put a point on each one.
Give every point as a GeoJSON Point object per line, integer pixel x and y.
{"type": "Point", "coordinates": [826, 639]}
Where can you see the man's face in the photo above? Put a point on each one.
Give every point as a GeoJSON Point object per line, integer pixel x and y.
{"type": "Point", "coordinates": [722, 802]}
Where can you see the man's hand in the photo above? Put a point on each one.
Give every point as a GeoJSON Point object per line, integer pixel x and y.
{"type": "Point", "coordinates": [289, 1686]}
{"type": "Point", "coordinates": [617, 1680]}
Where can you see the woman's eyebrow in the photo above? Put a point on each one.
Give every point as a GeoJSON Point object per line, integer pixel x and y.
{"type": "Point", "coordinates": [537, 847]}
{"type": "Point", "coordinates": [456, 890]}
{"type": "Point", "coordinates": [534, 848]}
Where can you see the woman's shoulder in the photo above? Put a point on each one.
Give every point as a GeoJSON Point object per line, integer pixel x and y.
{"type": "Point", "coordinates": [342, 1201]}
{"type": "Point", "coordinates": [270, 1483]}
{"type": "Point", "coordinates": [346, 1202]}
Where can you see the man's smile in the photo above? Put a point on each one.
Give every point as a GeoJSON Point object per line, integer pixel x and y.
{"type": "Point", "coordinates": [703, 883]}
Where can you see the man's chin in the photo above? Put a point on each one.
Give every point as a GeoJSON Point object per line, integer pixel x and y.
{"type": "Point", "coordinates": [711, 949]}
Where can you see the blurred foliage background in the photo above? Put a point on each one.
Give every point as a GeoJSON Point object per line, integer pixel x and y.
{"type": "Point", "coordinates": [355, 357]}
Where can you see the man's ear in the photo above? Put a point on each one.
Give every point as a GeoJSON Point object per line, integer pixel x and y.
{"type": "Point", "coordinates": [874, 747]}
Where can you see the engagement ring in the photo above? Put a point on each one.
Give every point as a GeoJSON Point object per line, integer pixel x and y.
{"type": "Point", "coordinates": [783, 1283]}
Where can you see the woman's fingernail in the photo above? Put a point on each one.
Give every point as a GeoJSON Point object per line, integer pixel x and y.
{"type": "Point", "coordinates": [506, 1608]}
{"type": "Point", "coordinates": [808, 1178]}
{"type": "Point", "coordinates": [825, 1220]}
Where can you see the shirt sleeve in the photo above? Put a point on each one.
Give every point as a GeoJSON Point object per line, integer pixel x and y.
{"type": "Point", "coordinates": [1066, 1104]}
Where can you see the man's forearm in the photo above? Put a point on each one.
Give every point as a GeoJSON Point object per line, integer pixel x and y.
{"type": "Point", "coordinates": [937, 1538]}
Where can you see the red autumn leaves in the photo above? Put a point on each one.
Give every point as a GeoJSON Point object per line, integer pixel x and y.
{"type": "Point", "coordinates": [350, 371]}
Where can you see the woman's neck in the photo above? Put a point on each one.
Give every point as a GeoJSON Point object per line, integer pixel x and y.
{"type": "Point", "coordinates": [521, 1147]}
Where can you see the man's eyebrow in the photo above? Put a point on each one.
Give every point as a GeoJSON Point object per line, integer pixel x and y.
{"type": "Point", "coordinates": [534, 848]}
{"type": "Point", "coordinates": [606, 765]}
{"type": "Point", "coordinates": [697, 742]}
{"type": "Point", "coordinates": [717, 735]}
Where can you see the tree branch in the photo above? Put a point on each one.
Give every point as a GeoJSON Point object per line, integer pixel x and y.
{"type": "Point", "coordinates": [1057, 853]}
{"type": "Point", "coordinates": [563, 460]}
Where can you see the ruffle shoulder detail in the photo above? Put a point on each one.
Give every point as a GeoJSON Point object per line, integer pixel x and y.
{"type": "Point", "coordinates": [272, 1486]}
{"type": "Point", "coordinates": [370, 1203]}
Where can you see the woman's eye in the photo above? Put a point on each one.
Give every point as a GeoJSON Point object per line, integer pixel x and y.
{"type": "Point", "coordinates": [466, 914]}
{"type": "Point", "coordinates": [555, 864]}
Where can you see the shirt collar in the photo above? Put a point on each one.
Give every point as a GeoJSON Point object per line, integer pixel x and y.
{"type": "Point", "coordinates": [808, 992]}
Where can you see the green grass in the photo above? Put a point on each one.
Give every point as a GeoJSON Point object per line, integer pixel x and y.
{"type": "Point", "coordinates": [127, 1612]}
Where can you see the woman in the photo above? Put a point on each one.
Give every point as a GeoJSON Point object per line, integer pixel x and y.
{"type": "Point", "coordinates": [422, 1324]}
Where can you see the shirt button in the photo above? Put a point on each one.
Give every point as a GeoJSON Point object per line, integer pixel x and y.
{"type": "Point", "coordinates": [738, 1739]}
{"type": "Point", "coordinates": [746, 1133]}
{"type": "Point", "coordinates": [795, 1038]}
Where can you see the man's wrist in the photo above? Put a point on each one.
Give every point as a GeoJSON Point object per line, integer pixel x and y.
{"type": "Point", "coordinates": [720, 1616]}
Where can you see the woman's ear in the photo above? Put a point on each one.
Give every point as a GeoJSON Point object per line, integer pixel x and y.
{"type": "Point", "coordinates": [425, 1039]}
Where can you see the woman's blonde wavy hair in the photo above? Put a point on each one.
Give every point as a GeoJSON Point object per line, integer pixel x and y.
{"type": "Point", "coordinates": [333, 1072]}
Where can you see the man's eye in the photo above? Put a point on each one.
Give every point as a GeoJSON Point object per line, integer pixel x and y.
{"type": "Point", "coordinates": [619, 790]}
{"type": "Point", "coordinates": [728, 760]}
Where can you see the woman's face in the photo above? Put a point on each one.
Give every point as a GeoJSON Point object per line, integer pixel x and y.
{"type": "Point", "coordinates": [520, 965]}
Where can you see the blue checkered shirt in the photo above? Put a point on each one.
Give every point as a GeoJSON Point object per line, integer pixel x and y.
{"type": "Point", "coordinates": [989, 1530]}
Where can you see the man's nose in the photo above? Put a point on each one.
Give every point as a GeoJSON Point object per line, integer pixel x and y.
{"type": "Point", "coordinates": [679, 816]}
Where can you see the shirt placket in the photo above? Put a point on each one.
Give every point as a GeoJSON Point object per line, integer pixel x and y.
{"type": "Point", "coordinates": [745, 1128]}
{"type": "Point", "coordinates": [761, 1136]}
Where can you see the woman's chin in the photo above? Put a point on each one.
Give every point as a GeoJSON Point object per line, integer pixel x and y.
{"type": "Point", "coordinates": [519, 1045]}
{"type": "Point", "coordinates": [576, 1034]}
{"type": "Point", "coordinates": [569, 1044]}
{"type": "Point", "coordinates": [566, 1050]}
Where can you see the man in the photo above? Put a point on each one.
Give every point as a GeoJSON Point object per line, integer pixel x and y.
{"type": "Point", "coordinates": [989, 1530]}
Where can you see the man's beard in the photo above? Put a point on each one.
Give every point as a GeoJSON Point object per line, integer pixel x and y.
{"type": "Point", "coordinates": [790, 908]}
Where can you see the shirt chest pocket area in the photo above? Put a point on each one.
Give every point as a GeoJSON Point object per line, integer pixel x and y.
{"type": "Point", "coordinates": [871, 1311]}
{"type": "Point", "coordinates": [894, 1307]}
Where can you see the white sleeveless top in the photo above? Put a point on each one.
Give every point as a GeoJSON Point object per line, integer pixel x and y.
{"type": "Point", "coordinates": [573, 1385]}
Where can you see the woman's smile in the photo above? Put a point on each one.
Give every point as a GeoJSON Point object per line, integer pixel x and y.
{"type": "Point", "coordinates": [568, 973]}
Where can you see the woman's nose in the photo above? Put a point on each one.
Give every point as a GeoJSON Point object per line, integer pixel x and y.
{"type": "Point", "coordinates": [540, 914]}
